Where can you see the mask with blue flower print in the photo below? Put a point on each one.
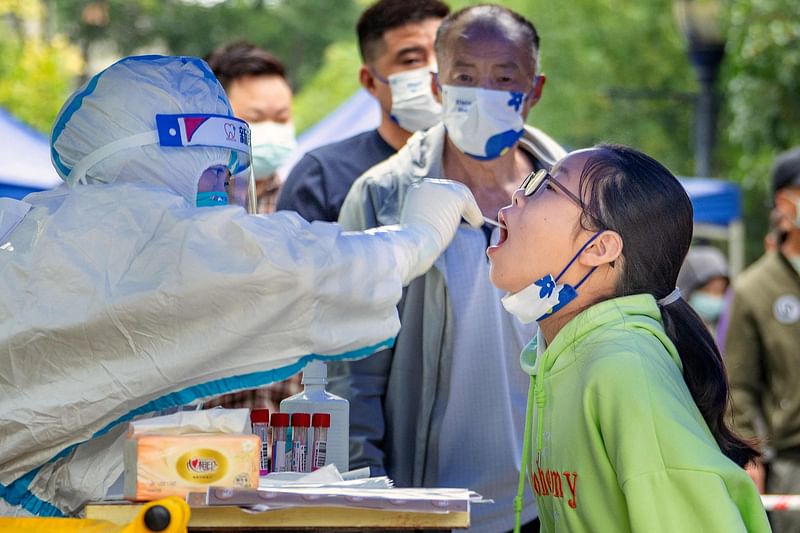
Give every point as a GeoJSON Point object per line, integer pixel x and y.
{"type": "Point", "coordinates": [545, 296]}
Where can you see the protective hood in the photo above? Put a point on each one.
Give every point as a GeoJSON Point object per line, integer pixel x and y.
{"type": "Point", "coordinates": [95, 117]}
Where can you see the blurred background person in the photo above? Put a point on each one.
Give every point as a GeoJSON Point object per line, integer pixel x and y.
{"type": "Point", "coordinates": [762, 357]}
{"type": "Point", "coordinates": [259, 92]}
{"type": "Point", "coordinates": [395, 39]}
{"type": "Point", "coordinates": [258, 89]}
{"type": "Point", "coordinates": [704, 281]}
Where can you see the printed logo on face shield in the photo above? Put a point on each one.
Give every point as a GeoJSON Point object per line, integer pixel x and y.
{"type": "Point", "coordinates": [230, 131]}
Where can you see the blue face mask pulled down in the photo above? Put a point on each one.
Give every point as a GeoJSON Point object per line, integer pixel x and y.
{"type": "Point", "coordinates": [545, 296]}
{"type": "Point", "coordinates": [211, 199]}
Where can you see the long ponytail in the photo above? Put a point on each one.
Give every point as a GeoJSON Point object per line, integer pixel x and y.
{"type": "Point", "coordinates": [634, 195]}
{"type": "Point", "coordinates": [704, 373]}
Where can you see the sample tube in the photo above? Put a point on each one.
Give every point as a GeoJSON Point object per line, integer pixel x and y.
{"type": "Point", "coordinates": [281, 445]}
{"type": "Point", "coordinates": [259, 422]}
{"type": "Point", "coordinates": [320, 422]}
{"type": "Point", "coordinates": [300, 424]}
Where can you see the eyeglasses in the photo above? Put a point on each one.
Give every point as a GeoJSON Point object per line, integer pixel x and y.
{"type": "Point", "coordinates": [534, 181]}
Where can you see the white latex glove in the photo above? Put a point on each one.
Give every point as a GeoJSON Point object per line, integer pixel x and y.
{"type": "Point", "coordinates": [432, 211]}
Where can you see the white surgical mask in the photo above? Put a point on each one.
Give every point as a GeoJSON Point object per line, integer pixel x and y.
{"type": "Point", "coordinates": [482, 123]}
{"type": "Point", "coordinates": [545, 296]}
{"type": "Point", "coordinates": [413, 106]}
{"type": "Point", "coordinates": [273, 143]}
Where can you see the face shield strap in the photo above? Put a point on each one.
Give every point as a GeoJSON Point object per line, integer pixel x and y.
{"type": "Point", "coordinates": [78, 172]}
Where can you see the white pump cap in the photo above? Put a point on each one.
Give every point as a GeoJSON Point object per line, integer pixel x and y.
{"type": "Point", "coordinates": [315, 373]}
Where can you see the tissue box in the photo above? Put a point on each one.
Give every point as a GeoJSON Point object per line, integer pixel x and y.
{"type": "Point", "coordinates": [174, 465]}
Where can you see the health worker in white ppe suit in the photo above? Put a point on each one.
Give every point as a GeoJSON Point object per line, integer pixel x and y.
{"type": "Point", "coordinates": [119, 296]}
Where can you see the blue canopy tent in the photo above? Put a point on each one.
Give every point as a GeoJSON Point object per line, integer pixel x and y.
{"type": "Point", "coordinates": [718, 215]}
{"type": "Point", "coordinates": [25, 154]}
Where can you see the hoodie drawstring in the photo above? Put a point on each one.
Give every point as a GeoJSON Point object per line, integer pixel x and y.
{"type": "Point", "coordinates": [526, 452]}
{"type": "Point", "coordinates": [540, 402]}
{"type": "Point", "coordinates": [535, 395]}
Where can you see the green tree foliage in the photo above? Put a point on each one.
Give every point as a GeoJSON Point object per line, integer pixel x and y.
{"type": "Point", "coordinates": [334, 83]}
{"type": "Point", "coordinates": [35, 72]}
{"type": "Point", "coordinates": [296, 31]}
{"type": "Point", "coordinates": [617, 72]}
{"type": "Point", "coordinates": [761, 89]}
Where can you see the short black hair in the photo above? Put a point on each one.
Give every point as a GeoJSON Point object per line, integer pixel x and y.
{"type": "Point", "coordinates": [385, 15]}
{"type": "Point", "coordinates": [492, 12]}
{"type": "Point", "coordinates": [237, 60]}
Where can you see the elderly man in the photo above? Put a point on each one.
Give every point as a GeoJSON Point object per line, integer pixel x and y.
{"type": "Point", "coordinates": [140, 288]}
{"type": "Point", "coordinates": [446, 405]}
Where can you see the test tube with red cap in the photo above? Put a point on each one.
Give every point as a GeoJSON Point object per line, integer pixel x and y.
{"type": "Point", "coordinates": [259, 421]}
{"type": "Point", "coordinates": [320, 422]}
{"type": "Point", "coordinates": [281, 445]}
{"type": "Point", "coordinates": [301, 422]}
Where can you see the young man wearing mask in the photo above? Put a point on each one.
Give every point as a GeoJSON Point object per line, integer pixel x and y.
{"type": "Point", "coordinates": [446, 406]}
{"type": "Point", "coordinates": [395, 38]}
{"type": "Point", "coordinates": [762, 358]}
{"type": "Point", "coordinates": [259, 92]}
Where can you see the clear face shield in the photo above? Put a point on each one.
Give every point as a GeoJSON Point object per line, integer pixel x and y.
{"type": "Point", "coordinates": [232, 184]}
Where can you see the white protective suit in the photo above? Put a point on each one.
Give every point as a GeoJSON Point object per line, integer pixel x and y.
{"type": "Point", "coordinates": [120, 297]}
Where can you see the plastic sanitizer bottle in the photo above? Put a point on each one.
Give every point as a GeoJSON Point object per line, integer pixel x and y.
{"type": "Point", "coordinates": [315, 399]}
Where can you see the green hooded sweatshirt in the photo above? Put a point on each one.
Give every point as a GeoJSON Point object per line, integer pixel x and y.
{"type": "Point", "coordinates": [617, 444]}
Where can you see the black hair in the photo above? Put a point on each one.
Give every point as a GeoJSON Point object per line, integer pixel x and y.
{"type": "Point", "coordinates": [634, 195]}
{"type": "Point", "coordinates": [495, 14]}
{"type": "Point", "coordinates": [240, 59]}
{"type": "Point", "coordinates": [385, 15]}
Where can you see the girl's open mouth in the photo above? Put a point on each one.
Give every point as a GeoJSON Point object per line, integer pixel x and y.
{"type": "Point", "coordinates": [503, 233]}
{"type": "Point", "coordinates": [503, 236]}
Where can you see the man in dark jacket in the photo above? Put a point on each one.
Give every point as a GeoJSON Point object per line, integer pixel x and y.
{"type": "Point", "coordinates": [762, 353]}
{"type": "Point", "coordinates": [395, 38]}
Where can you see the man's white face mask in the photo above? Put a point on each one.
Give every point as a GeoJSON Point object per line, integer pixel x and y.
{"type": "Point", "coordinates": [273, 143]}
{"type": "Point", "coordinates": [483, 123]}
{"type": "Point", "coordinates": [413, 105]}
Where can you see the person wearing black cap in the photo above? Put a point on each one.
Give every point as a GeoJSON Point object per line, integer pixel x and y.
{"type": "Point", "coordinates": [762, 352]}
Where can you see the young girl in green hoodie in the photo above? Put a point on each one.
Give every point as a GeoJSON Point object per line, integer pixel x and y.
{"type": "Point", "coordinates": [625, 428]}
